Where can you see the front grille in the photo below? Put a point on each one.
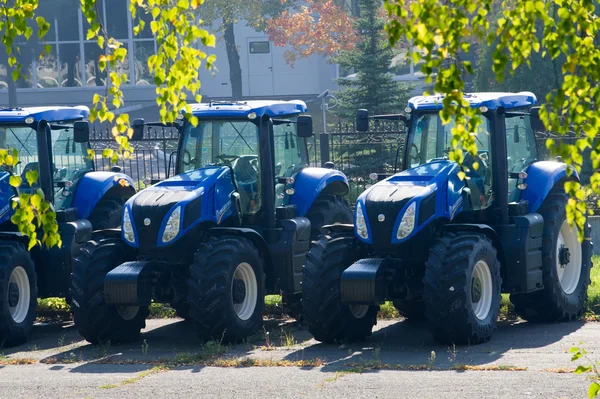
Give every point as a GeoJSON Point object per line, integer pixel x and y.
{"type": "Point", "coordinates": [386, 200]}
{"type": "Point", "coordinates": [154, 205]}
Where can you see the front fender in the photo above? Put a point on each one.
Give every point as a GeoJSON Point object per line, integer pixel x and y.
{"type": "Point", "coordinates": [92, 187]}
{"type": "Point", "coordinates": [310, 182]}
{"type": "Point", "coordinates": [541, 177]}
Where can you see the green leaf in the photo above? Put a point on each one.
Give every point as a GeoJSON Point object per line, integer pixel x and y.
{"type": "Point", "coordinates": [594, 390]}
{"type": "Point", "coordinates": [582, 369]}
{"type": "Point", "coordinates": [14, 181]}
{"type": "Point", "coordinates": [32, 177]}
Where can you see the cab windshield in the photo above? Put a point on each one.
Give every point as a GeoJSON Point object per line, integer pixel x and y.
{"type": "Point", "coordinates": [69, 159]}
{"type": "Point", "coordinates": [430, 140]}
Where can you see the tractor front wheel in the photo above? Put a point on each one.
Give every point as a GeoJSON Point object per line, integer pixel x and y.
{"type": "Point", "coordinates": [18, 293]}
{"type": "Point", "coordinates": [226, 289]}
{"type": "Point", "coordinates": [326, 317]}
{"type": "Point", "coordinates": [462, 288]}
{"type": "Point", "coordinates": [97, 321]}
{"type": "Point", "coordinates": [566, 264]}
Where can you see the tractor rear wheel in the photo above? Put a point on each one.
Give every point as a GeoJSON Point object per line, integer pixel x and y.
{"type": "Point", "coordinates": [327, 209]}
{"type": "Point", "coordinates": [226, 289]}
{"type": "Point", "coordinates": [462, 288]}
{"type": "Point", "coordinates": [412, 310]}
{"type": "Point", "coordinates": [107, 213]}
{"type": "Point", "coordinates": [566, 267]}
{"type": "Point", "coordinates": [96, 321]}
{"type": "Point", "coordinates": [18, 293]}
{"type": "Point", "coordinates": [326, 317]}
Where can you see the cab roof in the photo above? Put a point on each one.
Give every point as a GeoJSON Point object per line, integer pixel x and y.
{"type": "Point", "coordinates": [49, 114]}
{"type": "Point", "coordinates": [243, 108]}
{"type": "Point", "coordinates": [490, 100]}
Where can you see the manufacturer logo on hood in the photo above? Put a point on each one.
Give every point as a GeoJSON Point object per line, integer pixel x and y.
{"type": "Point", "coordinates": [147, 222]}
{"type": "Point", "coordinates": [381, 217]}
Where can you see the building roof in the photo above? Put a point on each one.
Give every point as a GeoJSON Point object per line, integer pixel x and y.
{"type": "Point", "coordinates": [243, 108]}
{"type": "Point", "coordinates": [490, 100]}
{"type": "Point", "coordinates": [49, 114]}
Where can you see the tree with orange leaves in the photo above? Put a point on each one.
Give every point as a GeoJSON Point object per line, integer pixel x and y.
{"type": "Point", "coordinates": [319, 27]}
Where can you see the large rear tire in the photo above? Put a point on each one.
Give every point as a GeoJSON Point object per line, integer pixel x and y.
{"type": "Point", "coordinates": [327, 209]}
{"type": "Point", "coordinates": [107, 213]}
{"type": "Point", "coordinates": [566, 267]}
{"type": "Point", "coordinates": [226, 289]}
{"type": "Point", "coordinates": [326, 317]}
{"type": "Point", "coordinates": [462, 288]}
{"type": "Point", "coordinates": [18, 293]}
{"type": "Point", "coordinates": [97, 321]}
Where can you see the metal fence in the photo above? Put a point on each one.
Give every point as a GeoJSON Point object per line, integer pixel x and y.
{"type": "Point", "coordinates": [154, 157]}
{"type": "Point", "coordinates": [358, 154]}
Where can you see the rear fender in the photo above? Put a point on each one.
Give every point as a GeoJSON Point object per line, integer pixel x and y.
{"type": "Point", "coordinates": [94, 185]}
{"type": "Point", "coordinates": [311, 182]}
{"type": "Point", "coordinates": [541, 177]}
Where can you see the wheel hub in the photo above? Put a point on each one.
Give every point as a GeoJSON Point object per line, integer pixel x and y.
{"type": "Point", "coordinates": [13, 295]}
{"type": "Point", "coordinates": [238, 291]}
{"type": "Point", "coordinates": [476, 290]}
{"type": "Point", "coordinates": [564, 256]}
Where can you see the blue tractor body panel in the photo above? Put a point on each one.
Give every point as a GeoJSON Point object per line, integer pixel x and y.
{"type": "Point", "coordinates": [310, 182]}
{"type": "Point", "coordinates": [541, 177]}
{"type": "Point", "coordinates": [49, 114]}
{"type": "Point", "coordinates": [242, 110]}
{"type": "Point", "coordinates": [92, 187]}
{"type": "Point", "coordinates": [212, 186]}
{"type": "Point", "coordinates": [6, 193]}
{"type": "Point", "coordinates": [439, 178]}
{"type": "Point", "coordinates": [476, 100]}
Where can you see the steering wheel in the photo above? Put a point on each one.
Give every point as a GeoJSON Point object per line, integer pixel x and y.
{"type": "Point", "coordinates": [227, 159]}
{"type": "Point", "coordinates": [418, 155]}
{"type": "Point", "coordinates": [186, 154]}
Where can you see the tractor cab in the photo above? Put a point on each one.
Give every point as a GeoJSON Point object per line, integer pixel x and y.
{"type": "Point", "coordinates": [57, 138]}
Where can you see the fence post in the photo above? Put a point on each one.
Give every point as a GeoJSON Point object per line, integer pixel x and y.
{"type": "Point", "coordinates": [324, 147]}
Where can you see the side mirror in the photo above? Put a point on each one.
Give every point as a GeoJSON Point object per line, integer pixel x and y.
{"type": "Point", "coordinates": [81, 131]}
{"type": "Point", "coordinates": [138, 129]}
{"type": "Point", "coordinates": [304, 126]}
{"type": "Point", "coordinates": [516, 137]}
{"type": "Point", "coordinates": [534, 120]}
{"type": "Point", "coordinates": [362, 120]}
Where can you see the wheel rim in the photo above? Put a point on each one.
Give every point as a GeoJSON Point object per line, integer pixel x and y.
{"type": "Point", "coordinates": [127, 312]}
{"type": "Point", "coordinates": [19, 294]}
{"type": "Point", "coordinates": [481, 290]}
{"type": "Point", "coordinates": [568, 258]}
{"type": "Point", "coordinates": [244, 291]}
{"type": "Point", "coordinates": [359, 311]}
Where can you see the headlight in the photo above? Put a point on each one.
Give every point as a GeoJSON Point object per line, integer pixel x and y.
{"type": "Point", "coordinates": [172, 227]}
{"type": "Point", "coordinates": [361, 224]}
{"type": "Point", "coordinates": [407, 224]}
{"type": "Point", "coordinates": [128, 227]}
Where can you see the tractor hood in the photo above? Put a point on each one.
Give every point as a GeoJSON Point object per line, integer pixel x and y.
{"type": "Point", "coordinates": [434, 188]}
{"type": "Point", "coordinates": [177, 205]}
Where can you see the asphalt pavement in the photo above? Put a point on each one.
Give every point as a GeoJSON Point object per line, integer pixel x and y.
{"type": "Point", "coordinates": [523, 360]}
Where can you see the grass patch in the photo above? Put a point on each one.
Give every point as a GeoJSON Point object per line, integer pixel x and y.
{"type": "Point", "coordinates": [273, 305]}
{"type": "Point", "coordinates": [161, 311]}
{"type": "Point", "coordinates": [592, 305]}
{"type": "Point", "coordinates": [136, 379]}
{"type": "Point", "coordinates": [507, 309]}
{"type": "Point", "coordinates": [388, 311]}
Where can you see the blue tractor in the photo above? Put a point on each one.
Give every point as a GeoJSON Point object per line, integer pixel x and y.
{"type": "Point", "coordinates": [444, 249]}
{"type": "Point", "coordinates": [234, 224]}
{"type": "Point", "coordinates": [53, 141]}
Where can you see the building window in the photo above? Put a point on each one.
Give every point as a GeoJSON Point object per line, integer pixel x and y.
{"type": "Point", "coordinates": [72, 60]}
{"type": "Point", "coordinates": [262, 47]}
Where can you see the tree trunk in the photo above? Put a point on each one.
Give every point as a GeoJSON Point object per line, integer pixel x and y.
{"type": "Point", "coordinates": [235, 70]}
{"type": "Point", "coordinates": [12, 87]}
